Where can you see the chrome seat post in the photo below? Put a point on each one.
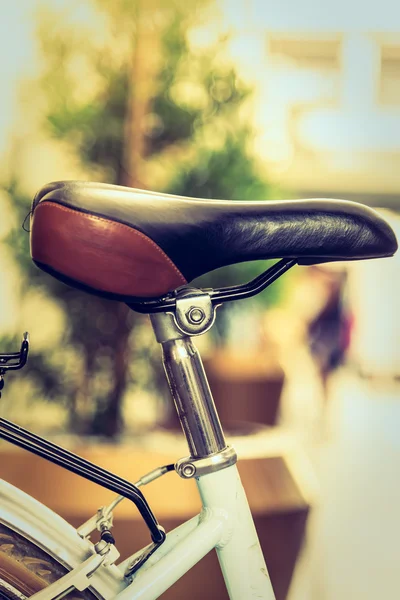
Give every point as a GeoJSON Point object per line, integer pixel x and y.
{"type": "Point", "coordinates": [189, 388]}
{"type": "Point", "coordinates": [193, 400]}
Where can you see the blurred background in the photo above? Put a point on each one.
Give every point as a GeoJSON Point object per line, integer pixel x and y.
{"type": "Point", "coordinates": [234, 99]}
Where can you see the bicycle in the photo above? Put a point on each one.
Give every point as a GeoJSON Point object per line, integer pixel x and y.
{"type": "Point", "coordinates": [142, 248]}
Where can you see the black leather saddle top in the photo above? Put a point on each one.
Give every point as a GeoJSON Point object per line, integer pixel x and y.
{"type": "Point", "coordinates": [199, 236]}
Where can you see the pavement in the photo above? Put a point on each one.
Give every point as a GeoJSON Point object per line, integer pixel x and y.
{"type": "Point", "coordinates": [352, 549]}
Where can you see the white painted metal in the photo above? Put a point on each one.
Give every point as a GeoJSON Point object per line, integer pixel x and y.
{"type": "Point", "coordinates": [48, 530]}
{"type": "Point", "coordinates": [173, 537]}
{"type": "Point", "coordinates": [150, 584]}
{"type": "Point", "coordinates": [239, 552]}
{"type": "Point", "coordinates": [79, 578]}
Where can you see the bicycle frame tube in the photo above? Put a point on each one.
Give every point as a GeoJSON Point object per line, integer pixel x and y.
{"type": "Point", "coordinates": [181, 555]}
{"type": "Point", "coordinates": [173, 538]}
{"type": "Point", "coordinates": [225, 524]}
{"type": "Point", "coordinates": [239, 552]}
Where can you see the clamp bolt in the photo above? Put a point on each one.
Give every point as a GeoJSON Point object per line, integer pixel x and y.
{"type": "Point", "coordinates": [195, 315]}
{"type": "Point", "coordinates": [188, 470]}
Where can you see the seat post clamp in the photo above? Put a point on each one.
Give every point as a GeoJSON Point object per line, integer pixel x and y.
{"type": "Point", "coordinates": [196, 467]}
{"type": "Point", "coordinates": [194, 312]}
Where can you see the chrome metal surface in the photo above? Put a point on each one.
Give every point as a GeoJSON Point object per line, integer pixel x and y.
{"type": "Point", "coordinates": [165, 328]}
{"type": "Point", "coordinates": [193, 399]}
{"type": "Point", "coordinates": [194, 313]}
{"type": "Point", "coordinates": [189, 467]}
{"type": "Point", "coordinates": [190, 390]}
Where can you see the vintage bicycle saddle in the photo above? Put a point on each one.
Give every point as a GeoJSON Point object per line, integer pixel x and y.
{"type": "Point", "coordinates": [129, 244]}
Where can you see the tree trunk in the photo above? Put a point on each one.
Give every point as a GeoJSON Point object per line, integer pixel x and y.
{"type": "Point", "coordinates": [109, 421]}
{"type": "Point", "coordinates": [141, 85]}
{"type": "Point", "coordinates": [141, 89]}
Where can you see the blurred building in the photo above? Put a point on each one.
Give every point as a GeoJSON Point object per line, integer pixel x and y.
{"type": "Point", "coordinates": [328, 101]}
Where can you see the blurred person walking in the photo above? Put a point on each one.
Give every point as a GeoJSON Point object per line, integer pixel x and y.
{"type": "Point", "coordinates": [328, 331]}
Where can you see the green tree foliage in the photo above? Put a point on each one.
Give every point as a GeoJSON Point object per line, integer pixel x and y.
{"type": "Point", "coordinates": [170, 122]}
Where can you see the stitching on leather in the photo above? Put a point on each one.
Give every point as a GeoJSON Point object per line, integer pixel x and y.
{"type": "Point", "coordinates": [122, 225]}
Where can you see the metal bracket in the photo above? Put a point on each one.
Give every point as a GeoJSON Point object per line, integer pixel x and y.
{"type": "Point", "coordinates": [196, 467]}
{"type": "Point", "coordinates": [194, 312]}
{"type": "Point", "coordinates": [139, 559]}
{"type": "Point", "coordinates": [79, 578]}
{"type": "Point", "coordinates": [103, 519]}
{"type": "Point", "coordinates": [219, 295]}
{"type": "Point", "coordinates": [15, 360]}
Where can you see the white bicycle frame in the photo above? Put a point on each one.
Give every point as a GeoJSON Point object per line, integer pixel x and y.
{"type": "Point", "coordinates": [225, 522]}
